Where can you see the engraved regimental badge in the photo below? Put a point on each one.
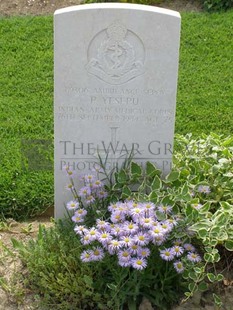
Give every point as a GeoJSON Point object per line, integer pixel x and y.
{"type": "Point", "coordinates": [116, 55]}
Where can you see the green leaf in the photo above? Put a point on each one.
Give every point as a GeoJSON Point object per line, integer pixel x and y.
{"type": "Point", "coordinates": [219, 277]}
{"type": "Point", "coordinates": [229, 245]}
{"type": "Point", "coordinates": [192, 287]}
{"type": "Point", "coordinates": [126, 192]}
{"type": "Point", "coordinates": [226, 206]}
{"type": "Point", "coordinates": [151, 170]}
{"type": "Point", "coordinates": [209, 258]}
{"type": "Point", "coordinates": [153, 196]}
{"type": "Point", "coordinates": [217, 300]}
{"type": "Point", "coordinates": [135, 169]}
{"type": "Point", "coordinates": [202, 233]}
{"type": "Point", "coordinates": [172, 176]}
{"type": "Point", "coordinates": [203, 286]}
{"type": "Point", "coordinates": [88, 280]}
{"type": "Point", "coordinates": [156, 184]}
{"type": "Point", "coordinates": [122, 177]}
{"type": "Point", "coordinates": [211, 277]}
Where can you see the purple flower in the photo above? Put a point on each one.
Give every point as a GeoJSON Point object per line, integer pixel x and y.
{"type": "Point", "coordinates": [194, 257]}
{"type": "Point", "coordinates": [159, 240]}
{"type": "Point", "coordinates": [165, 209]}
{"type": "Point", "coordinates": [80, 230]}
{"type": "Point", "coordinates": [141, 239]}
{"type": "Point", "coordinates": [104, 238]}
{"type": "Point", "coordinates": [134, 248]}
{"type": "Point", "coordinates": [189, 247]}
{"type": "Point", "coordinates": [84, 191]}
{"type": "Point", "coordinates": [139, 263]}
{"type": "Point", "coordinates": [143, 252]}
{"type": "Point", "coordinates": [130, 227]}
{"type": "Point", "coordinates": [127, 241]}
{"type": "Point", "coordinates": [77, 218]}
{"type": "Point", "coordinates": [167, 254]}
{"type": "Point", "coordinates": [101, 194]}
{"type": "Point", "coordinates": [178, 265]}
{"type": "Point", "coordinates": [86, 256]}
{"type": "Point", "coordinates": [97, 184]}
{"type": "Point", "coordinates": [114, 246]}
{"type": "Point", "coordinates": [113, 206]}
{"type": "Point", "coordinates": [146, 222]}
{"type": "Point", "coordinates": [89, 199]}
{"type": "Point", "coordinates": [204, 189]}
{"type": "Point", "coordinates": [80, 212]}
{"type": "Point", "coordinates": [196, 206]}
{"type": "Point", "coordinates": [97, 254]}
{"type": "Point", "coordinates": [156, 231]}
{"type": "Point", "coordinates": [178, 250]}
{"type": "Point", "coordinates": [89, 178]}
{"type": "Point", "coordinates": [103, 225]}
{"type": "Point", "coordinates": [72, 205]}
{"type": "Point", "coordinates": [123, 263]}
{"type": "Point", "coordinates": [124, 255]}
{"type": "Point", "coordinates": [117, 217]}
{"type": "Point", "coordinates": [69, 187]}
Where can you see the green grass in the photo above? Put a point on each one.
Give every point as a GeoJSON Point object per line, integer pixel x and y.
{"type": "Point", "coordinates": [204, 101]}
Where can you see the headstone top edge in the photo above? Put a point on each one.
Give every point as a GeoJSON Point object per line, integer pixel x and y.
{"type": "Point", "coordinates": [138, 7]}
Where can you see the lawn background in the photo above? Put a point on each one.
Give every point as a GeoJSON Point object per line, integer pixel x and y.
{"type": "Point", "coordinates": [204, 100]}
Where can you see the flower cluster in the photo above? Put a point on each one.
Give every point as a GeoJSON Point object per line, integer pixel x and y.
{"type": "Point", "coordinates": [92, 191]}
{"type": "Point", "coordinates": [129, 230]}
{"type": "Point", "coordinates": [129, 233]}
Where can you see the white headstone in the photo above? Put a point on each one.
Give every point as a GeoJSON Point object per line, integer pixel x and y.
{"type": "Point", "coordinates": [116, 69]}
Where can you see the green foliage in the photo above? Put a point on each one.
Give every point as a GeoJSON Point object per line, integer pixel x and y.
{"type": "Point", "coordinates": [217, 5]}
{"type": "Point", "coordinates": [26, 82]}
{"type": "Point", "coordinates": [204, 100]}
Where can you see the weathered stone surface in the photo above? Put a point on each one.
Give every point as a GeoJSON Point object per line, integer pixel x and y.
{"type": "Point", "coordinates": [115, 87]}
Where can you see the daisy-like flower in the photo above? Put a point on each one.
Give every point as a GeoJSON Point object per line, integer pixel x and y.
{"type": "Point", "coordinates": [197, 206]}
{"type": "Point", "coordinates": [86, 239]}
{"type": "Point", "coordinates": [166, 226]}
{"type": "Point", "coordinates": [113, 207]}
{"type": "Point", "coordinates": [80, 230]}
{"type": "Point", "coordinates": [102, 194]}
{"type": "Point", "coordinates": [85, 256]}
{"type": "Point", "coordinates": [139, 263]}
{"type": "Point", "coordinates": [72, 205]}
{"type": "Point", "coordinates": [159, 240]}
{"type": "Point", "coordinates": [114, 245]}
{"type": "Point", "coordinates": [134, 248]}
{"type": "Point", "coordinates": [97, 184]}
{"type": "Point", "coordinates": [177, 242]}
{"type": "Point", "coordinates": [141, 239]}
{"type": "Point", "coordinates": [165, 209]}
{"type": "Point", "coordinates": [97, 254]}
{"type": "Point", "coordinates": [178, 265]}
{"type": "Point", "coordinates": [194, 257]}
{"type": "Point", "coordinates": [117, 230]}
{"type": "Point", "coordinates": [156, 231]}
{"type": "Point", "coordinates": [68, 171]}
{"type": "Point", "coordinates": [104, 238]}
{"type": "Point", "coordinates": [89, 199]}
{"type": "Point", "coordinates": [167, 254]}
{"type": "Point", "coordinates": [146, 222]}
{"type": "Point", "coordinates": [84, 191]}
{"type": "Point", "coordinates": [81, 212]}
{"type": "Point", "coordinates": [143, 252]}
{"type": "Point", "coordinates": [178, 250]}
{"type": "Point", "coordinates": [136, 213]}
{"type": "Point", "coordinates": [149, 208]}
{"type": "Point", "coordinates": [77, 218]}
{"type": "Point", "coordinates": [123, 263]}
{"type": "Point", "coordinates": [127, 241]}
{"type": "Point", "coordinates": [189, 247]}
{"type": "Point", "coordinates": [93, 233]}
{"type": "Point", "coordinates": [89, 178]}
{"type": "Point", "coordinates": [103, 225]}
{"type": "Point", "coordinates": [205, 189]}
{"type": "Point", "coordinates": [117, 217]}
{"type": "Point", "coordinates": [124, 255]}
{"type": "Point", "coordinates": [130, 228]}
{"type": "Point", "coordinates": [69, 187]}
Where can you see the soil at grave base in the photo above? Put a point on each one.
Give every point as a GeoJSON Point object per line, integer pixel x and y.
{"type": "Point", "coordinates": [42, 7]}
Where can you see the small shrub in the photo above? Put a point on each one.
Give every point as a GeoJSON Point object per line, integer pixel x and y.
{"type": "Point", "coordinates": [217, 5]}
